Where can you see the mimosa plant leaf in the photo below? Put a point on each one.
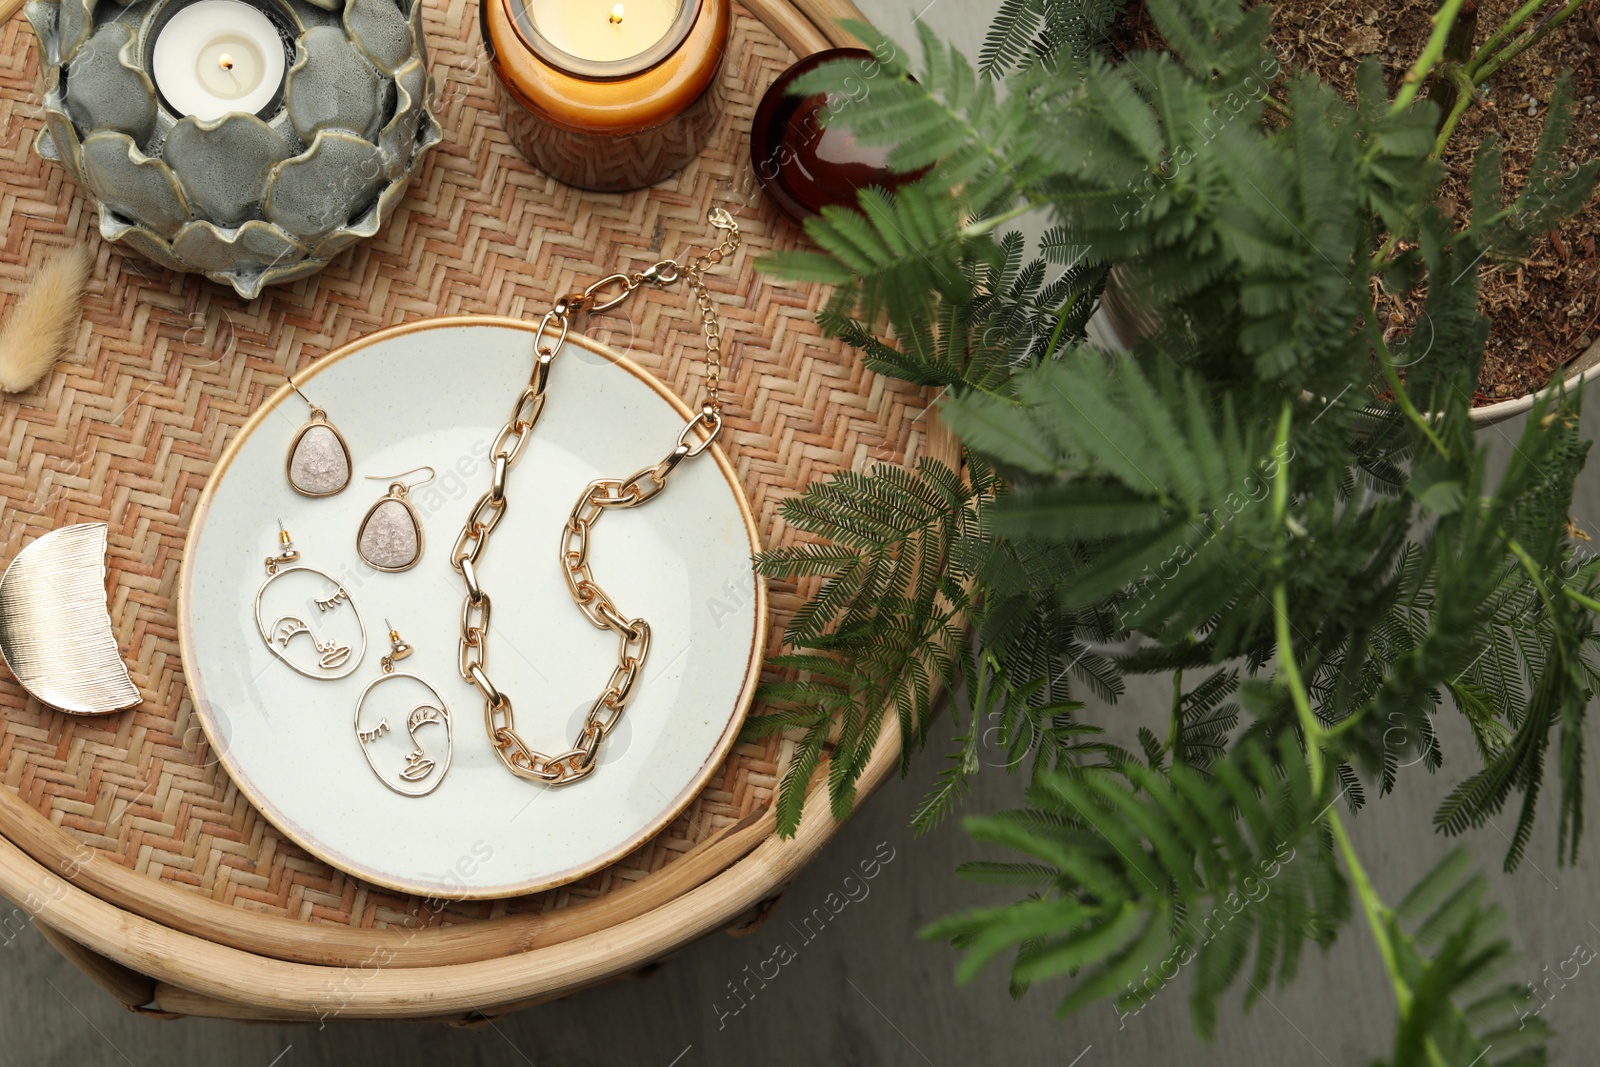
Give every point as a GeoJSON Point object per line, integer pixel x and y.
{"type": "Point", "coordinates": [1268, 501]}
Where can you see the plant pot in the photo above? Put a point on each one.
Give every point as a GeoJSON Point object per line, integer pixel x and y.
{"type": "Point", "coordinates": [1131, 324]}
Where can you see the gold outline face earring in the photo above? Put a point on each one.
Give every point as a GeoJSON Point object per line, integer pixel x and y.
{"type": "Point", "coordinates": [390, 536]}
{"type": "Point", "coordinates": [416, 776]}
{"type": "Point", "coordinates": [279, 627]}
{"type": "Point", "coordinates": [318, 462]}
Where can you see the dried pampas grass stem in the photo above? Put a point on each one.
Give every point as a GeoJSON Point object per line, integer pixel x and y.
{"type": "Point", "coordinates": [44, 321]}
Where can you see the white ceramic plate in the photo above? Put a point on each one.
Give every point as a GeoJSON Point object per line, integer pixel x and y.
{"type": "Point", "coordinates": [437, 392]}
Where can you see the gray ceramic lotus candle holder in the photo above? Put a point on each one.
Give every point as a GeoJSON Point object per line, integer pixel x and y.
{"type": "Point", "coordinates": [250, 200]}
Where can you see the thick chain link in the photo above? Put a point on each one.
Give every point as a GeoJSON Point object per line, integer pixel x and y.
{"type": "Point", "coordinates": [633, 634]}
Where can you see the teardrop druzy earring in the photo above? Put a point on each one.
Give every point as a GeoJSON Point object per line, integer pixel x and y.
{"type": "Point", "coordinates": [390, 537]}
{"type": "Point", "coordinates": [319, 460]}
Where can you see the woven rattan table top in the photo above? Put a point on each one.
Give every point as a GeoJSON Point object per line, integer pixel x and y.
{"type": "Point", "coordinates": [167, 367]}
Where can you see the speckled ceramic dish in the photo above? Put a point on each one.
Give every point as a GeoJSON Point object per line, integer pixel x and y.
{"type": "Point", "coordinates": [436, 392]}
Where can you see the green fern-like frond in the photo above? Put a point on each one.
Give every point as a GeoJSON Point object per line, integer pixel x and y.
{"type": "Point", "coordinates": [1050, 32]}
{"type": "Point", "coordinates": [1445, 936]}
{"type": "Point", "coordinates": [1552, 192]}
{"type": "Point", "coordinates": [1154, 871]}
{"type": "Point", "coordinates": [886, 626]}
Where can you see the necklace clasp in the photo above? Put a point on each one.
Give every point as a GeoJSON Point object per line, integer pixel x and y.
{"type": "Point", "coordinates": [663, 273]}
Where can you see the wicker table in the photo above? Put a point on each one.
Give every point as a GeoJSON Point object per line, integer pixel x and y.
{"type": "Point", "coordinates": [121, 837]}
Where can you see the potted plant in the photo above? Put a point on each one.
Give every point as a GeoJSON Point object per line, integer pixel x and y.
{"type": "Point", "coordinates": [1261, 500]}
{"type": "Point", "coordinates": [1493, 79]}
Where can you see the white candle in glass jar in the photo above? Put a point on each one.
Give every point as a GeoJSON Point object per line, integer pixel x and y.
{"type": "Point", "coordinates": [216, 57]}
{"type": "Point", "coordinates": [604, 33]}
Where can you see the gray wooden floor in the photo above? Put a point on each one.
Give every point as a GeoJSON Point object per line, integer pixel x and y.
{"type": "Point", "coordinates": [866, 990]}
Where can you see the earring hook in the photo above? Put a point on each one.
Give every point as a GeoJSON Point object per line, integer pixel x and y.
{"type": "Point", "coordinates": [432, 474]}
{"type": "Point", "coordinates": [290, 379]}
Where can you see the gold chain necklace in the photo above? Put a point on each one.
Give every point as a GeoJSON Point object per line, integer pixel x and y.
{"type": "Point", "coordinates": [600, 496]}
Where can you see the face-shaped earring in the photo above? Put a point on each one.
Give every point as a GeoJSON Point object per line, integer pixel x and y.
{"type": "Point", "coordinates": [333, 640]}
{"type": "Point", "coordinates": [390, 537]}
{"type": "Point", "coordinates": [422, 767]}
{"type": "Point", "coordinates": [319, 461]}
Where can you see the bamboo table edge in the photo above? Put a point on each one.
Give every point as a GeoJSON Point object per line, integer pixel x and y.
{"type": "Point", "coordinates": [378, 991]}
{"type": "Point", "coordinates": [324, 944]}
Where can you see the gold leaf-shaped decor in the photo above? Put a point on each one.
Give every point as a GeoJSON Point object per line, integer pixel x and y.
{"type": "Point", "coordinates": [55, 631]}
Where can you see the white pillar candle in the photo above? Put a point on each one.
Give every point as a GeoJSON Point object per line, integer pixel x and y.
{"type": "Point", "coordinates": [216, 57]}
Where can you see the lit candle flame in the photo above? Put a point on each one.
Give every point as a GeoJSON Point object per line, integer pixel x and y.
{"type": "Point", "coordinates": [225, 61]}
{"type": "Point", "coordinates": [616, 15]}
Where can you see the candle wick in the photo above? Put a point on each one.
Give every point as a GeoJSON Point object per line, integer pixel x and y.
{"type": "Point", "coordinates": [616, 15]}
{"type": "Point", "coordinates": [225, 61]}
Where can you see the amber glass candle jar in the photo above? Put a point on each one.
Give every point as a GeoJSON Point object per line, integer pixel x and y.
{"type": "Point", "coordinates": [608, 96]}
